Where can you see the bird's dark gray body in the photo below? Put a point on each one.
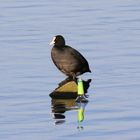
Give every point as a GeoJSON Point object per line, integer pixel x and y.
{"type": "Point", "coordinates": [69, 61]}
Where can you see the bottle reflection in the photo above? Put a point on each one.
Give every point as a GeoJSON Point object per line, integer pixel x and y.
{"type": "Point", "coordinates": [64, 99]}
{"type": "Point", "coordinates": [80, 115]}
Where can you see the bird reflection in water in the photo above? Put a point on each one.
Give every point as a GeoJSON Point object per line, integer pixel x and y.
{"type": "Point", "coordinates": [60, 106]}
{"type": "Point", "coordinates": [64, 99]}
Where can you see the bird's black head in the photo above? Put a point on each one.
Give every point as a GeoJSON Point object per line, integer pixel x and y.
{"type": "Point", "coordinates": [58, 41]}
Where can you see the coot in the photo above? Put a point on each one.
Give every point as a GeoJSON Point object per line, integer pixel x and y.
{"type": "Point", "coordinates": [68, 60]}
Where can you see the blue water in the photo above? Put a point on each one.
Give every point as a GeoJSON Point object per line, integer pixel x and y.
{"type": "Point", "coordinates": [106, 32]}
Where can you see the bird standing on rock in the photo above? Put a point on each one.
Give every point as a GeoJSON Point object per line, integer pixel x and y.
{"type": "Point", "coordinates": [68, 60]}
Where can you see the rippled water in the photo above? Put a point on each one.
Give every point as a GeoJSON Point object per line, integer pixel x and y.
{"type": "Point", "coordinates": [106, 32]}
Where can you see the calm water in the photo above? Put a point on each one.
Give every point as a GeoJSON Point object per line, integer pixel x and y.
{"type": "Point", "coordinates": [106, 32]}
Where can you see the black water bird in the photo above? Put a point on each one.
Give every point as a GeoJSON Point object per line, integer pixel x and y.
{"type": "Point", "coordinates": [68, 60]}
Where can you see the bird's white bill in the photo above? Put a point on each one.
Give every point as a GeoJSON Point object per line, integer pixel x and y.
{"type": "Point", "coordinates": [53, 41]}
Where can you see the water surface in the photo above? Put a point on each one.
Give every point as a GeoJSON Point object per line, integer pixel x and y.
{"type": "Point", "coordinates": [107, 33]}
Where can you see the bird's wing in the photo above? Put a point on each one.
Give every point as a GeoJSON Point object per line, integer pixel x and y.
{"type": "Point", "coordinates": [77, 55]}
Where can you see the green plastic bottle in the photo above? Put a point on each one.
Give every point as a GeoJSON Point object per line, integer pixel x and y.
{"type": "Point", "coordinates": [80, 87]}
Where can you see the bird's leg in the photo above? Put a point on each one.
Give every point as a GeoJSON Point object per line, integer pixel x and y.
{"type": "Point", "coordinates": [68, 79]}
{"type": "Point", "coordinates": [74, 77]}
